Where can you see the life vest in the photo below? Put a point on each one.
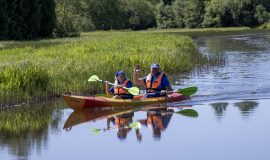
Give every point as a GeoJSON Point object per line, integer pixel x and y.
{"type": "Point", "coordinates": [153, 86]}
{"type": "Point", "coordinates": [120, 90]}
{"type": "Point", "coordinates": [122, 122]}
{"type": "Point", "coordinates": [154, 121]}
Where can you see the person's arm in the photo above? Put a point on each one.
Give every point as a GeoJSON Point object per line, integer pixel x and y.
{"type": "Point", "coordinates": [136, 79]}
{"type": "Point", "coordinates": [109, 91]}
{"type": "Point", "coordinates": [107, 88]}
{"type": "Point", "coordinates": [167, 84]}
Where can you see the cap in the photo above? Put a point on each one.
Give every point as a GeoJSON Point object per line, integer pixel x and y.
{"type": "Point", "coordinates": [119, 73]}
{"type": "Point", "coordinates": [154, 65]}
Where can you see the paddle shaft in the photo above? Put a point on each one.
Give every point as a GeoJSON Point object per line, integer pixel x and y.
{"type": "Point", "coordinates": [112, 84]}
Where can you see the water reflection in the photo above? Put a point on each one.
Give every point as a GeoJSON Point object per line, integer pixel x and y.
{"type": "Point", "coordinates": [243, 75]}
{"type": "Point", "coordinates": [157, 119]}
{"type": "Point", "coordinates": [246, 107]}
{"type": "Point", "coordinates": [219, 108]}
{"type": "Point", "coordinates": [26, 128]}
{"type": "Point", "coordinates": [122, 124]}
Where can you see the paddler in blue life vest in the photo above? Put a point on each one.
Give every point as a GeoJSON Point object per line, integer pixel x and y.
{"type": "Point", "coordinates": [119, 92]}
{"type": "Point", "coordinates": [157, 83]}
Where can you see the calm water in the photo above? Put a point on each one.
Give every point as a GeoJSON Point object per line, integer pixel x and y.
{"type": "Point", "coordinates": [229, 117]}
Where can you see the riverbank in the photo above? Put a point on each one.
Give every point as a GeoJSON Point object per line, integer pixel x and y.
{"type": "Point", "coordinates": [47, 68]}
{"type": "Point", "coordinates": [33, 70]}
{"type": "Point", "coordinates": [206, 32]}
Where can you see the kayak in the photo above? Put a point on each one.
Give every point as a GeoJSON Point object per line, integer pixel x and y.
{"type": "Point", "coordinates": [94, 114]}
{"type": "Point", "coordinates": [83, 102]}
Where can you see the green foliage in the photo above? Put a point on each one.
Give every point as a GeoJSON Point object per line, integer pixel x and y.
{"type": "Point", "coordinates": [4, 20]}
{"type": "Point", "coordinates": [25, 19]}
{"type": "Point", "coordinates": [214, 12]}
{"type": "Point", "coordinates": [140, 14]}
{"type": "Point", "coordinates": [106, 14]}
{"type": "Point", "coordinates": [48, 18]}
{"type": "Point", "coordinates": [178, 9]}
{"type": "Point", "coordinates": [234, 13]}
{"type": "Point", "coordinates": [68, 19]}
{"type": "Point", "coordinates": [41, 71]}
{"type": "Point", "coordinates": [25, 77]}
{"type": "Point", "coordinates": [165, 16]}
{"type": "Point", "coordinates": [193, 13]}
{"type": "Point", "coordinates": [261, 14]}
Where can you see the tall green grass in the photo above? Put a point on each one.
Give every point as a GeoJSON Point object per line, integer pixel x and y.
{"type": "Point", "coordinates": [33, 70]}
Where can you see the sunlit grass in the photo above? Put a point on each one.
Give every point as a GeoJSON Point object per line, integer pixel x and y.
{"type": "Point", "coordinates": [46, 68]}
{"type": "Point", "coordinates": [198, 32]}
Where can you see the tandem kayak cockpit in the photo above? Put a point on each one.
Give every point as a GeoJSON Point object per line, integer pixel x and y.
{"type": "Point", "coordinates": [83, 102]}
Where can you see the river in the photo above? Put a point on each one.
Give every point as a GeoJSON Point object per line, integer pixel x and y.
{"type": "Point", "coordinates": [229, 116]}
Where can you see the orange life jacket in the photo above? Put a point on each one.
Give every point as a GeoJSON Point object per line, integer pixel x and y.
{"type": "Point", "coordinates": [122, 122]}
{"type": "Point", "coordinates": [155, 121]}
{"type": "Point", "coordinates": [119, 90]}
{"type": "Point", "coordinates": [152, 86]}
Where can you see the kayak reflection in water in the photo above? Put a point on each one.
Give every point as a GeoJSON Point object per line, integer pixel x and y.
{"type": "Point", "coordinates": [157, 121]}
{"type": "Point", "coordinates": [157, 83]}
{"type": "Point", "coordinates": [119, 92]}
{"type": "Point", "coordinates": [121, 123]}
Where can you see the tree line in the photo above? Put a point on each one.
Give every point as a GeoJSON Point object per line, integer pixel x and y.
{"type": "Point", "coordinates": [28, 19]}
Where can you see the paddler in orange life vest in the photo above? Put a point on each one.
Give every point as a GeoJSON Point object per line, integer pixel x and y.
{"type": "Point", "coordinates": [121, 122]}
{"type": "Point", "coordinates": [119, 92]}
{"type": "Point", "coordinates": [156, 82]}
{"type": "Point", "coordinates": [157, 121]}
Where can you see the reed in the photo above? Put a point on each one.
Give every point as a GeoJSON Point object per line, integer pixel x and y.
{"type": "Point", "coordinates": [46, 68]}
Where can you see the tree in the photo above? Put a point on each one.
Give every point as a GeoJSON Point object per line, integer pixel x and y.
{"type": "Point", "coordinates": [165, 16]}
{"type": "Point", "coordinates": [68, 19]}
{"type": "Point", "coordinates": [140, 14]}
{"type": "Point", "coordinates": [22, 19]}
{"type": "Point", "coordinates": [261, 14]}
{"type": "Point", "coordinates": [107, 14]}
{"type": "Point", "coordinates": [193, 13]}
{"type": "Point", "coordinates": [48, 18]}
{"type": "Point", "coordinates": [178, 9]}
{"type": "Point", "coordinates": [4, 20]}
{"type": "Point", "coordinates": [214, 11]}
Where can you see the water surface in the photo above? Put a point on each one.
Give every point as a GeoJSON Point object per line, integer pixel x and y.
{"type": "Point", "coordinates": [229, 116]}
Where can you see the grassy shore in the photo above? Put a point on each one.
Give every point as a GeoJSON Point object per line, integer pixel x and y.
{"type": "Point", "coordinates": [49, 67]}
{"type": "Point", "coordinates": [202, 32]}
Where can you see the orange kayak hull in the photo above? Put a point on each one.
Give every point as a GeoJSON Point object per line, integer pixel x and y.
{"type": "Point", "coordinates": [83, 102]}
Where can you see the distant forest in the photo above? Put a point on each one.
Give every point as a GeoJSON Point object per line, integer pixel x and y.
{"type": "Point", "coordinates": [30, 19]}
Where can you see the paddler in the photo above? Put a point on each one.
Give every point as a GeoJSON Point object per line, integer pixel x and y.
{"type": "Point", "coordinates": [156, 82]}
{"type": "Point", "coordinates": [117, 91]}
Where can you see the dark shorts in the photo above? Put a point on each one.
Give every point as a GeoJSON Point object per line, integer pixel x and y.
{"type": "Point", "coordinates": [150, 95]}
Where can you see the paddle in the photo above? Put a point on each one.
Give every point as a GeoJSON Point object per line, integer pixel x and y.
{"type": "Point", "coordinates": [188, 113]}
{"type": "Point", "coordinates": [133, 90]}
{"type": "Point", "coordinates": [133, 125]}
{"type": "Point", "coordinates": [187, 91]}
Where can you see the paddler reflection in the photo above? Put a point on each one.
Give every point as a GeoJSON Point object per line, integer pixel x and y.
{"type": "Point", "coordinates": [122, 124]}
{"type": "Point", "coordinates": [157, 121]}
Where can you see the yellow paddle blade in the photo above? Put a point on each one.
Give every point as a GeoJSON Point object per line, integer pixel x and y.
{"type": "Point", "coordinates": [133, 90]}
{"type": "Point", "coordinates": [93, 78]}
